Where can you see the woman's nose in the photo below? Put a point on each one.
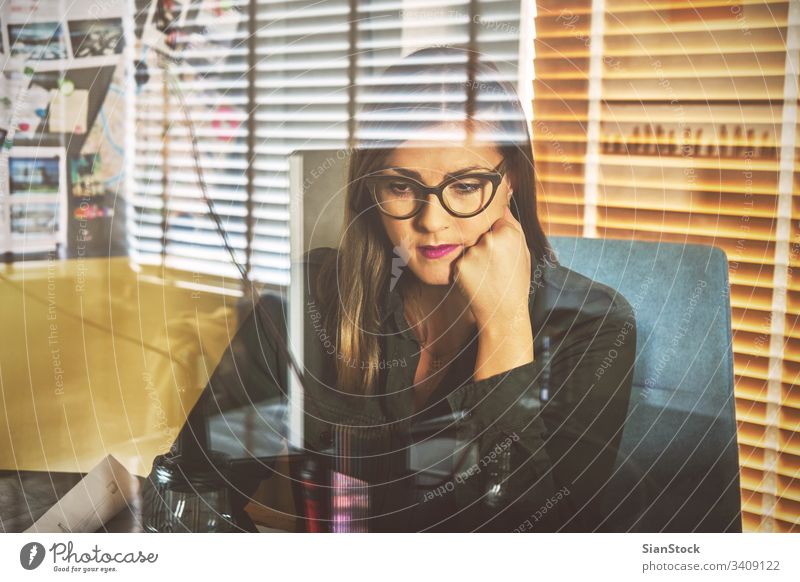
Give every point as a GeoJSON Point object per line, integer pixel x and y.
{"type": "Point", "coordinates": [433, 215]}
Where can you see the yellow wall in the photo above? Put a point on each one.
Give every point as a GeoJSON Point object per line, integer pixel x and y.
{"type": "Point", "coordinates": [99, 357]}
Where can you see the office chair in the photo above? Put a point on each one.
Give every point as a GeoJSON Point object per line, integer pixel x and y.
{"type": "Point", "coordinates": [678, 465]}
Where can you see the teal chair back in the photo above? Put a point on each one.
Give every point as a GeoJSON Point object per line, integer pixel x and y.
{"type": "Point", "coordinates": [678, 464]}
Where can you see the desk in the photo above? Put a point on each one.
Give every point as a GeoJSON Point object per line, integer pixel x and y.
{"type": "Point", "coordinates": [26, 495]}
{"type": "Point", "coordinates": [100, 331]}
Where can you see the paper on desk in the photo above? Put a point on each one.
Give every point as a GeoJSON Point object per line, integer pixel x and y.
{"type": "Point", "coordinates": [99, 496]}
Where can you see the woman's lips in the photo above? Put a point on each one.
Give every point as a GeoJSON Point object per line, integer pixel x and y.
{"type": "Point", "coordinates": [437, 252]}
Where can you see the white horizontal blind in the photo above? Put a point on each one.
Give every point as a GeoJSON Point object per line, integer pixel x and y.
{"type": "Point", "coordinates": [302, 74]}
{"type": "Point", "coordinates": [385, 34]}
{"type": "Point", "coordinates": [301, 81]}
{"type": "Point", "coordinates": [170, 220]}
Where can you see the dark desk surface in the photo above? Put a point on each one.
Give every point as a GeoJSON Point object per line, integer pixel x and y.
{"type": "Point", "coordinates": [26, 495]}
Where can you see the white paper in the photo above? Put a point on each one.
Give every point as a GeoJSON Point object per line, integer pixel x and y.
{"type": "Point", "coordinates": [69, 113]}
{"type": "Point", "coordinates": [99, 496]}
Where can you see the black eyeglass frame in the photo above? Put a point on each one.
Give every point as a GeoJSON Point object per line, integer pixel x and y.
{"type": "Point", "coordinates": [495, 177]}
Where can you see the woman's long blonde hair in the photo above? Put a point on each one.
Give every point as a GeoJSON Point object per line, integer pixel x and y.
{"type": "Point", "coordinates": [353, 284]}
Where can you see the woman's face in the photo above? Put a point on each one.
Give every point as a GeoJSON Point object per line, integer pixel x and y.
{"type": "Point", "coordinates": [431, 163]}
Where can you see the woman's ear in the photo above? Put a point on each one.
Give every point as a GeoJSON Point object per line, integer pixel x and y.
{"type": "Point", "coordinates": [509, 180]}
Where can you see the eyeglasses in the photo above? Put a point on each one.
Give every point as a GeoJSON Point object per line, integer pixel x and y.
{"type": "Point", "coordinates": [463, 196]}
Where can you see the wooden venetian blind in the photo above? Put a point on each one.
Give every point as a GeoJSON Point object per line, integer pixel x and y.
{"type": "Point", "coordinates": [677, 122]}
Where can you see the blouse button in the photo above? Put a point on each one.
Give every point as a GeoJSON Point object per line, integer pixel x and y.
{"type": "Point", "coordinates": [325, 437]}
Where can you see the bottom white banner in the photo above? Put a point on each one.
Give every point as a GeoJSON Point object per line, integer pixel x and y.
{"type": "Point", "coordinates": [118, 557]}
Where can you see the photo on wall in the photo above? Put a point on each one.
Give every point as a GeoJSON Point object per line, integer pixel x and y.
{"type": "Point", "coordinates": [70, 105]}
{"type": "Point", "coordinates": [34, 219]}
{"type": "Point", "coordinates": [42, 41]}
{"type": "Point", "coordinates": [21, 105]}
{"type": "Point", "coordinates": [33, 175]}
{"type": "Point", "coordinates": [85, 178]}
{"type": "Point", "coordinates": [168, 14]}
{"type": "Point", "coordinates": [96, 38]}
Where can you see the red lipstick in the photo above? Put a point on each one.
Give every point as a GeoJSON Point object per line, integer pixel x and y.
{"type": "Point", "coordinates": [436, 252]}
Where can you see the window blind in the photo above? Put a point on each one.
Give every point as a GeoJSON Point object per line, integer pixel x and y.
{"type": "Point", "coordinates": [676, 122]}
{"type": "Point", "coordinates": [205, 69]}
{"type": "Point", "coordinates": [262, 79]}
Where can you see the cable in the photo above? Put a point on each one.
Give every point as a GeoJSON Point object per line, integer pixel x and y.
{"type": "Point", "coordinates": [248, 284]}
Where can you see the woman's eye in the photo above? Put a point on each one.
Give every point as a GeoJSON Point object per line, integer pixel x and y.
{"type": "Point", "coordinates": [467, 187]}
{"type": "Point", "coordinates": [401, 188]}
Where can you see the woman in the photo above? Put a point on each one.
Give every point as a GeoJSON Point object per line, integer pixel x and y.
{"type": "Point", "coordinates": [451, 365]}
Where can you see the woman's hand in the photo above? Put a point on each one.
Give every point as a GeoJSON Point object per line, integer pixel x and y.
{"type": "Point", "coordinates": [494, 275]}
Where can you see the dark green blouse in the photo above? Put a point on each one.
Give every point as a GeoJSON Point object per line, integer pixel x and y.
{"type": "Point", "coordinates": [529, 449]}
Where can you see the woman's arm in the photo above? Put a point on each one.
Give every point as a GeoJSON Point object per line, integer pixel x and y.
{"type": "Point", "coordinates": [562, 424]}
{"type": "Point", "coordinates": [503, 346]}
